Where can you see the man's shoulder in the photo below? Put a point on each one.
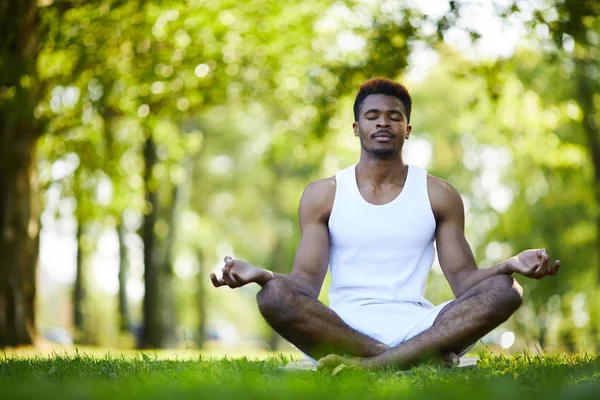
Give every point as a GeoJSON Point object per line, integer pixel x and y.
{"type": "Point", "coordinates": [439, 186]}
{"type": "Point", "coordinates": [443, 196]}
{"type": "Point", "coordinates": [318, 196]}
{"type": "Point", "coordinates": [322, 186]}
{"type": "Point", "coordinates": [321, 191]}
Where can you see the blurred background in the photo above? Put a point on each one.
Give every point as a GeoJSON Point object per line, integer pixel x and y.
{"type": "Point", "coordinates": [142, 141]}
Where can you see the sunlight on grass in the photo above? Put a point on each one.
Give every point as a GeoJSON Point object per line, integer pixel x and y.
{"type": "Point", "coordinates": [50, 351]}
{"type": "Point", "coordinates": [197, 375]}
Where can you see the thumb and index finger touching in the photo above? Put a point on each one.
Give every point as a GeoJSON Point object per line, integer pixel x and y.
{"type": "Point", "coordinates": [226, 276]}
{"type": "Point", "coordinates": [544, 265]}
{"type": "Point", "coordinates": [545, 260]}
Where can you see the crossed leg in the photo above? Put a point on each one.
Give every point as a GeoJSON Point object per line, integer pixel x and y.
{"type": "Point", "coordinates": [311, 326]}
{"type": "Point", "coordinates": [317, 330]}
{"type": "Point", "coordinates": [460, 323]}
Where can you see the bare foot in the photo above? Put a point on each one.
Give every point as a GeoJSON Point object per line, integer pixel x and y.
{"type": "Point", "coordinates": [450, 359]}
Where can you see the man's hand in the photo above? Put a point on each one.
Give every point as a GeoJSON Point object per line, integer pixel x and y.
{"type": "Point", "coordinates": [238, 273]}
{"type": "Point", "coordinates": [534, 264]}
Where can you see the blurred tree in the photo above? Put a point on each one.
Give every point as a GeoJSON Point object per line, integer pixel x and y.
{"type": "Point", "coordinates": [19, 201]}
{"type": "Point", "coordinates": [569, 93]}
{"type": "Point", "coordinates": [124, 313]}
{"type": "Point", "coordinates": [576, 33]}
{"type": "Point", "coordinates": [204, 122]}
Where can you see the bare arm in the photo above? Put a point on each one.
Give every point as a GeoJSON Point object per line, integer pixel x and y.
{"type": "Point", "coordinates": [312, 255]}
{"type": "Point", "coordinates": [455, 255]}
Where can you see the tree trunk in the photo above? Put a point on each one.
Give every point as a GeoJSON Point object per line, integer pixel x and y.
{"type": "Point", "coordinates": [201, 301]}
{"type": "Point", "coordinates": [169, 317]}
{"type": "Point", "coordinates": [79, 287]}
{"type": "Point", "coordinates": [19, 196]}
{"type": "Point", "coordinates": [109, 115]}
{"type": "Point", "coordinates": [151, 336]}
{"type": "Point", "coordinates": [124, 319]}
{"type": "Point", "coordinates": [159, 302]}
{"type": "Point", "coordinates": [19, 240]}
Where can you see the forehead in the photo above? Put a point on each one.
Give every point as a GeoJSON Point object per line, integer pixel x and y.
{"type": "Point", "coordinates": [382, 102]}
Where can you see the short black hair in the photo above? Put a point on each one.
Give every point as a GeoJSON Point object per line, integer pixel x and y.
{"type": "Point", "coordinates": [382, 86]}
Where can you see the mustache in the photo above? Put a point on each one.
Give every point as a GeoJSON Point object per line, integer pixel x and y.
{"type": "Point", "coordinates": [383, 132]}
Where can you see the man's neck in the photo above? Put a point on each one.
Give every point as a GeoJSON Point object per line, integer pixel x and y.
{"type": "Point", "coordinates": [381, 170]}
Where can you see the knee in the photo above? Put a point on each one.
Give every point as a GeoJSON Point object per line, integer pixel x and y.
{"type": "Point", "coordinates": [274, 301]}
{"type": "Point", "coordinates": [506, 295]}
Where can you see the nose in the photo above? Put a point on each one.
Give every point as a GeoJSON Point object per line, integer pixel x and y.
{"type": "Point", "coordinates": [383, 122]}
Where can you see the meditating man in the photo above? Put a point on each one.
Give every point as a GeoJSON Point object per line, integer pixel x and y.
{"type": "Point", "coordinates": [374, 224]}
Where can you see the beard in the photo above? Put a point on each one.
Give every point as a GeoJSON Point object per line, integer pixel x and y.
{"type": "Point", "coordinates": [378, 152]}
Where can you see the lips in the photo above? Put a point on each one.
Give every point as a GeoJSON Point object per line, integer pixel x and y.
{"type": "Point", "coordinates": [383, 136]}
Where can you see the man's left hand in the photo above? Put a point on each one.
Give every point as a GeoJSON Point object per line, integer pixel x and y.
{"type": "Point", "coordinates": [534, 264]}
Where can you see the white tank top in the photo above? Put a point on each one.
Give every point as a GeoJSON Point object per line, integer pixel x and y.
{"type": "Point", "coordinates": [380, 255]}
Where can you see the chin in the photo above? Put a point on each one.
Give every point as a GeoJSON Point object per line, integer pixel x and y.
{"type": "Point", "coordinates": [380, 152]}
{"type": "Point", "coordinates": [384, 153]}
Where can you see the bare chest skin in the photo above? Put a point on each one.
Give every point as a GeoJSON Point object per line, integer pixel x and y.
{"type": "Point", "coordinates": [379, 195]}
{"type": "Point", "coordinates": [383, 194]}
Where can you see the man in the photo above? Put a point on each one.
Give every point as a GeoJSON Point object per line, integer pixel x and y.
{"type": "Point", "coordinates": [375, 224]}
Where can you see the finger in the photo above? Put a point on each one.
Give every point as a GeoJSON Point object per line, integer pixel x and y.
{"type": "Point", "coordinates": [541, 255]}
{"type": "Point", "coordinates": [236, 277]}
{"type": "Point", "coordinates": [538, 273]}
{"type": "Point", "coordinates": [530, 273]}
{"type": "Point", "coordinates": [228, 279]}
{"type": "Point", "coordinates": [228, 262]}
{"type": "Point", "coordinates": [555, 267]}
{"type": "Point", "coordinates": [545, 268]}
{"type": "Point", "coordinates": [216, 282]}
{"type": "Point", "coordinates": [547, 260]}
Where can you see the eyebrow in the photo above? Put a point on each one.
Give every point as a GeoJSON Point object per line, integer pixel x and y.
{"type": "Point", "coordinates": [374, 110]}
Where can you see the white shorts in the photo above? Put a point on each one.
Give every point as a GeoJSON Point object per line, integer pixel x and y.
{"type": "Point", "coordinates": [392, 323]}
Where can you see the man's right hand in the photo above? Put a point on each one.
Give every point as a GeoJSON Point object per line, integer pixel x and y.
{"type": "Point", "coordinates": [238, 273]}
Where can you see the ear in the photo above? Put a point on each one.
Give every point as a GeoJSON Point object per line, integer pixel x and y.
{"type": "Point", "coordinates": [408, 129]}
{"type": "Point", "coordinates": [355, 128]}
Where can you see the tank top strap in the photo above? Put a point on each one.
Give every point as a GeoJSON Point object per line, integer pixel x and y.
{"type": "Point", "coordinates": [345, 183]}
{"type": "Point", "coordinates": [345, 192]}
{"type": "Point", "coordinates": [419, 184]}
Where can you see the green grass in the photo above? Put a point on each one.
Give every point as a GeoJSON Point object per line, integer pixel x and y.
{"type": "Point", "coordinates": [83, 376]}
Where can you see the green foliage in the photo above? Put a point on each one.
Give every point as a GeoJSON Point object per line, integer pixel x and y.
{"type": "Point", "coordinates": [248, 101]}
